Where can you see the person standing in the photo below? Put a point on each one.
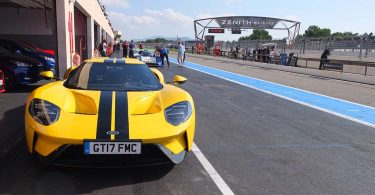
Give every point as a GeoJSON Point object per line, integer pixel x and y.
{"type": "Point", "coordinates": [118, 46]}
{"type": "Point", "coordinates": [103, 48]}
{"type": "Point", "coordinates": [181, 52]}
{"type": "Point", "coordinates": [109, 50]}
{"type": "Point", "coordinates": [268, 53]}
{"type": "Point", "coordinates": [125, 47]}
{"type": "Point", "coordinates": [255, 54]}
{"type": "Point", "coordinates": [324, 58]}
{"type": "Point", "coordinates": [164, 54]}
{"type": "Point", "coordinates": [237, 52]}
{"type": "Point", "coordinates": [131, 49]}
{"type": "Point", "coordinates": [96, 53]}
{"type": "Point", "coordinates": [243, 53]}
{"type": "Point", "coordinates": [183, 62]}
{"type": "Point", "coordinates": [259, 55]}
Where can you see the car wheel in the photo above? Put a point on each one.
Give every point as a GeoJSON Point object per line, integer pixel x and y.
{"type": "Point", "coordinates": [9, 81]}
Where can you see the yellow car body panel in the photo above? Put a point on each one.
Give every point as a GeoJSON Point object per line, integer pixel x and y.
{"type": "Point", "coordinates": [79, 114]}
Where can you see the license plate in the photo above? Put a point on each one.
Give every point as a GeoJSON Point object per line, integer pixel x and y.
{"type": "Point", "coordinates": [95, 147]}
{"type": "Point", "coordinates": [1, 82]}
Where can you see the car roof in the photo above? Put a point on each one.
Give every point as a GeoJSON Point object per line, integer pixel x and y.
{"type": "Point", "coordinates": [115, 60]}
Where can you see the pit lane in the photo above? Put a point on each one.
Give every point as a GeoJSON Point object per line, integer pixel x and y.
{"type": "Point", "coordinates": [258, 143]}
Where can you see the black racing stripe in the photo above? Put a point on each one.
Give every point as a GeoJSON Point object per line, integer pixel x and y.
{"type": "Point", "coordinates": [121, 116]}
{"type": "Point", "coordinates": [110, 60]}
{"type": "Point", "coordinates": [104, 115]}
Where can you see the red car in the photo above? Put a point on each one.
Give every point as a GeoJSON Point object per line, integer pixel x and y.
{"type": "Point", "coordinates": [2, 87]}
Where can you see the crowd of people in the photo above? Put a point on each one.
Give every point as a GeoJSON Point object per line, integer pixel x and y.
{"type": "Point", "coordinates": [264, 54]}
{"type": "Point", "coordinates": [106, 49]}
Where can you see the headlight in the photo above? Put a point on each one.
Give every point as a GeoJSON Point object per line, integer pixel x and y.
{"type": "Point", "coordinates": [49, 59]}
{"type": "Point", "coordinates": [21, 64]}
{"type": "Point", "coordinates": [178, 113]}
{"type": "Point", "coordinates": [44, 112]}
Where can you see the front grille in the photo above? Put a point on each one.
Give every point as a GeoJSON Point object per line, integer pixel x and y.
{"type": "Point", "coordinates": [73, 155]}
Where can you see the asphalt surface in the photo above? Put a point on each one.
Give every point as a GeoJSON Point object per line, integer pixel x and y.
{"type": "Point", "coordinates": [355, 92]}
{"type": "Point", "coordinates": [258, 143]}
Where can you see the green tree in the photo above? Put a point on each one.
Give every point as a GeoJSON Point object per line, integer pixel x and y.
{"type": "Point", "coordinates": [344, 34]}
{"type": "Point", "coordinates": [157, 40]}
{"type": "Point", "coordinates": [316, 31]}
{"type": "Point", "coordinates": [258, 34]}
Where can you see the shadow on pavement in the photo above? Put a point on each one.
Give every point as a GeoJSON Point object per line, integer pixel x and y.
{"type": "Point", "coordinates": [23, 175]}
{"type": "Point", "coordinates": [11, 129]}
{"type": "Point", "coordinates": [25, 88]}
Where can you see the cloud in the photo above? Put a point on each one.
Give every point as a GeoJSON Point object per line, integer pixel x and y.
{"type": "Point", "coordinates": [122, 20]}
{"type": "Point", "coordinates": [152, 22]}
{"type": "Point", "coordinates": [205, 15]}
{"type": "Point", "coordinates": [116, 3]}
{"type": "Point", "coordinates": [169, 16]}
{"type": "Point", "coordinates": [166, 22]}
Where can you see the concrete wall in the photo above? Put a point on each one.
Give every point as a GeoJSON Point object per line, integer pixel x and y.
{"type": "Point", "coordinates": [92, 8]}
{"type": "Point", "coordinates": [24, 21]}
{"type": "Point", "coordinates": [29, 25]}
{"type": "Point", "coordinates": [93, 12]}
{"type": "Point", "coordinates": [32, 25]}
{"type": "Point", "coordinates": [63, 7]}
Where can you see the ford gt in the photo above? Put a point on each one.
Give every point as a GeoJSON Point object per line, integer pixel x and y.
{"type": "Point", "coordinates": [110, 112]}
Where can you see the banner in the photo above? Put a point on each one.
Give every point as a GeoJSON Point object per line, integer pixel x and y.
{"type": "Point", "coordinates": [246, 22]}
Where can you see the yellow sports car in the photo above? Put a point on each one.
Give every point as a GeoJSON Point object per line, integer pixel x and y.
{"type": "Point", "coordinates": [110, 112]}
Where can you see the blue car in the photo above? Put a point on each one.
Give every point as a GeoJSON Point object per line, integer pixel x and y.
{"type": "Point", "coordinates": [19, 69]}
{"type": "Point", "coordinates": [17, 47]}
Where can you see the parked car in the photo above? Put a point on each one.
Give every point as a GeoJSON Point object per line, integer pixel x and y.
{"type": "Point", "coordinates": [149, 58]}
{"type": "Point", "coordinates": [17, 47]}
{"type": "Point", "coordinates": [47, 51]}
{"type": "Point", "coordinates": [18, 69]}
{"type": "Point", "coordinates": [153, 121]}
{"type": "Point", "coordinates": [2, 89]}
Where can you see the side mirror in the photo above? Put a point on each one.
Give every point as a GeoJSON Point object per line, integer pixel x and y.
{"type": "Point", "coordinates": [48, 75]}
{"type": "Point", "coordinates": [179, 79]}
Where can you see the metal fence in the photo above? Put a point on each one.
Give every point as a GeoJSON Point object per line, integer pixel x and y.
{"type": "Point", "coordinates": [359, 46]}
{"type": "Point", "coordinates": [363, 67]}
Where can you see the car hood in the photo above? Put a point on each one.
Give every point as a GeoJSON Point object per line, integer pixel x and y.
{"type": "Point", "coordinates": [89, 101]}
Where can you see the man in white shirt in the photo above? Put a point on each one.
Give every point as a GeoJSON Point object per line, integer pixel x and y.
{"type": "Point", "coordinates": [181, 54]}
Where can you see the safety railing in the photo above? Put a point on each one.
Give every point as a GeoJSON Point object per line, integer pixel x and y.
{"type": "Point", "coordinates": [365, 67]}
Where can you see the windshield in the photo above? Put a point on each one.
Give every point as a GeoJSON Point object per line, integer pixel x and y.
{"type": "Point", "coordinates": [2, 50]}
{"type": "Point", "coordinates": [115, 77]}
{"type": "Point", "coordinates": [23, 45]}
{"type": "Point", "coordinates": [147, 54]}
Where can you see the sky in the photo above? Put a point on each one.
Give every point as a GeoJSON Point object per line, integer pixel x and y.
{"type": "Point", "coordinates": [139, 19]}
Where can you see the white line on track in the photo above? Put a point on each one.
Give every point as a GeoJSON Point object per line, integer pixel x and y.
{"type": "Point", "coordinates": [220, 183]}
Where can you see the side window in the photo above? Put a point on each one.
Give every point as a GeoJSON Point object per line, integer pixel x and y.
{"type": "Point", "coordinates": [157, 76]}
{"type": "Point", "coordinates": [13, 48]}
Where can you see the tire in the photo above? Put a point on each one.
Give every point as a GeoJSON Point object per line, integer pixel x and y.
{"type": "Point", "coordinates": [9, 81]}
